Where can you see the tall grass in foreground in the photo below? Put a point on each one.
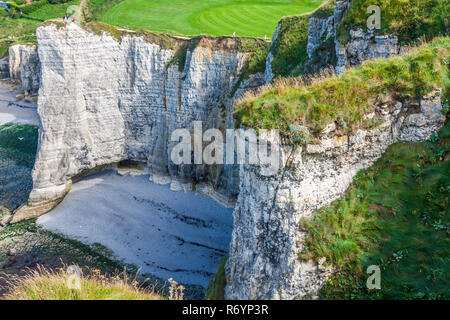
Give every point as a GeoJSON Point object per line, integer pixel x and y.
{"type": "Point", "coordinates": [43, 284]}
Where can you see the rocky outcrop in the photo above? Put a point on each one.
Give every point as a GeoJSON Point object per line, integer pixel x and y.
{"type": "Point", "coordinates": [103, 101]}
{"type": "Point", "coordinates": [364, 46]}
{"type": "Point", "coordinates": [24, 67]}
{"type": "Point", "coordinates": [263, 260]}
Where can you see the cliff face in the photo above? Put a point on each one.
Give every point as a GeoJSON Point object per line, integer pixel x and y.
{"type": "Point", "coordinates": [263, 260]}
{"type": "Point", "coordinates": [102, 102]}
{"type": "Point", "coordinates": [364, 46]}
{"type": "Point", "coordinates": [313, 41]}
{"type": "Point", "coordinates": [24, 67]}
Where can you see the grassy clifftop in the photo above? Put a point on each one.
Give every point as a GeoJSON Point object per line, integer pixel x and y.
{"type": "Point", "coordinates": [289, 49]}
{"type": "Point", "coordinates": [348, 97]}
{"type": "Point", "coordinates": [408, 19]}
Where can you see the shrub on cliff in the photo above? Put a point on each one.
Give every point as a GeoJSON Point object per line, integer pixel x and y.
{"type": "Point", "coordinates": [20, 2]}
{"type": "Point", "coordinates": [216, 287]}
{"type": "Point", "coordinates": [13, 13]}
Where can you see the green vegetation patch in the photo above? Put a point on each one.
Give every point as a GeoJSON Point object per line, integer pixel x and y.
{"type": "Point", "coordinates": [43, 284]}
{"type": "Point", "coordinates": [289, 49]}
{"type": "Point", "coordinates": [346, 99]}
{"type": "Point", "coordinates": [290, 58]}
{"type": "Point", "coordinates": [255, 18]}
{"type": "Point", "coordinates": [23, 29]}
{"type": "Point", "coordinates": [325, 10]}
{"type": "Point", "coordinates": [216, 287]}
{"type": "Point", "coordinates": [395, 215]}
{"type": "Point", "coordinates": [408, 19]}
{"type": "Point", "coordinates": [18, 143]}
{"type": "Point", "coordinates": [38, 247]}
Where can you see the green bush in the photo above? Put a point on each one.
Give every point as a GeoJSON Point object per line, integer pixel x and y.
{"type": "Point", "coordinates": [20, 2]}
{"type": "Point", "coordinates": [394, 215]}
{"type": "Point", "coordinates": [13, 5]}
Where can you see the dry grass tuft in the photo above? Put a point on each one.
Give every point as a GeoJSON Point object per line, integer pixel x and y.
{"type": "Point", "coordinates": [74, 284]}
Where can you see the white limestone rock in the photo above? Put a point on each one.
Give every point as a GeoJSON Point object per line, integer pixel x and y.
{"type": "Point", "coordinates": [102, 101]}
{"type": "Point", "coordinates": [263, 260]}
{"type": "Point", "coordinates": [24, 67]}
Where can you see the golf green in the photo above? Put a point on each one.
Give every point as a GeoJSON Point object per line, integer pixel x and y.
{"type": "Point", "coordinates": [213, 17]}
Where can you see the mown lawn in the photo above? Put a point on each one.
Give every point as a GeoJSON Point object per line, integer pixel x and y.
{"type": "Point", "coordinates": [24, 28]}
{"type": "Point", "coordinates": [213, 17]}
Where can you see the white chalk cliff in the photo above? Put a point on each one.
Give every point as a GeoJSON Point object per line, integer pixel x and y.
{"type": "Point", "coordinates": [102, 101]}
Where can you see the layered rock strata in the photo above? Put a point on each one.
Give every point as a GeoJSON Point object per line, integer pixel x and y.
{"type": "Point", "coordinates": [103, 101]}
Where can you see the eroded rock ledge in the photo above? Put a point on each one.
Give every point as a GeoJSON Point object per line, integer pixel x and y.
{"type": "Point", "coordinates": [263, 260]}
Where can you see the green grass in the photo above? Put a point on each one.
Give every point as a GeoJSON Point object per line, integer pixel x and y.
{"type": "Point", "coordinates": [408, 19]}
{"type": "Point", "coordinates": [216, 287]}
{"type": "Point", "coordinates": [290, 58]}
{"type": "Point", "coordinates": [348, 97]}
{"type": "Point", "coordinates": [289, 49]}
{"type": "Point", "coordinates": [52, 11]}
{"type": "Point", "coordinates": [42, 284]}
{"type": "Point", "coordinates": [395, 215]}
{"type": "Point", "coordinates": [258, 48]}
{"type": "Point", "coordinates": [23, 29]}
{"type": "Point", "coordinates": [195, 17]}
